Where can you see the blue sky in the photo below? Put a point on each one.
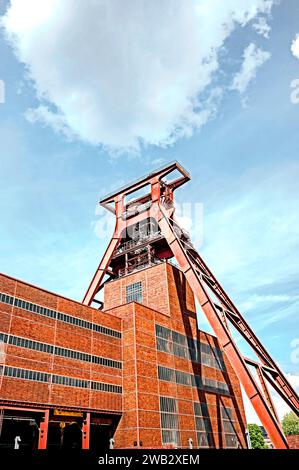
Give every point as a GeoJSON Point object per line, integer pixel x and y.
{"type": "Point", "coordinates": [232, 125]}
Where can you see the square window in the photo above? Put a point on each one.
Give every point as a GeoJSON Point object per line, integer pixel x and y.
{"type": "Point", "coordinates": [134, 292]}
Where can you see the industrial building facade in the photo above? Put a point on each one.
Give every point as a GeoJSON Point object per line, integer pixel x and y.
{"type": "Point", "coordinates": [137, 374]}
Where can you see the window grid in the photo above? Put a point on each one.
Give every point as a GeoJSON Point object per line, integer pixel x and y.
{"type": "Point", "coordinates": [59, 380]}
{"type": "Point", "coordinates": [201, 409]}
{"type": "Point", "coordinates": [168, 405]}
{"type": "Point", "coordinates": [48, 348]}
{"type": "Point", "coordinates": [203, 425]}
{"type": "Point", "coordinates": [169, 421]}
{"type": "Point", "coordinates": [183, 378]}
{"type": "Point", "coordinates": [228, 423]}
{"type": "Point", "coordinates": [185, 347]}
{"type": "Point", "coordinates": [58, 315]}
{"type": "Point", "coordinates": [134, 292]}
{"type": "Point", "coordinates": [204, 440]}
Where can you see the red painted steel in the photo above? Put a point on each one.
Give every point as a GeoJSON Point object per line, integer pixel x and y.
{"type": "Point", "coordinates": [43, 431]}
{"type": "Point", "coordinates": [86, 432]}
{"type": "Point", "coordinates": [221, 314]}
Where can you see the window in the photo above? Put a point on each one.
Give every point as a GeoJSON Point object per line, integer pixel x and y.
{"type": "Point", "coordinates": [215, 386]}
{"type": "Point", "coordinates": [168, 404]}
{"type": "Point", "coordinates": [164, 345]}
{"type": "Point", "coordinates": [166, 374]}
{"type": "Point", "coordinates": [163, 332]}
{"type": "Point", "coordinates": [169, 421]}
{"type": "Point", "coordinates": [204, 440]}
{"type": "Point", "coordinates": [26, 374]}
{"type": "Point", "coordinates": [59, 380]}
{"type": "Point", "coordinates": [180, 351]}
{"type": "Point", "coordinates": [134, 292]}
{"type": "Point", "coordinates": [3, 338]}
{"type": "Point", "coordinates": [203, 425]}
{"type": "Point", "coordinates": [106, 387]}
{"type": "Point", "coordinates": [226, 413]}
{"type": "Point", "coordinates": [193, 350]}
{"type": "Point", "coordinates": [173, 342]}
{"type": "Point", "coordinates": [50, 349]}
{"type": "Point", "coordinates": [229, 429]}
{"type": "Point", "coordinates": [179, 338]}
{"type": "Point", "coordinates": [183, 378]}
{"type": "Point", "coordinates": [201, 409]}
{"type": "Point", "coordinates": [231, 441]}
{"type": "Point", "coordinates": [163, 339]}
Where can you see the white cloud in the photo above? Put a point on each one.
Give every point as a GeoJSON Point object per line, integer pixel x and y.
{"type": "Point", "coordinates": [254, 301]}
{"type": "Point", "coordinates": [45, 116]}
{"type": "Point", "coordinates": [262, 27]}
{"type": "Point", "coordinates": [125, 72]}
{"type": "Point", "coordinates": [253, 59]}
{"type": "Point", "coordinates": [295, 47]}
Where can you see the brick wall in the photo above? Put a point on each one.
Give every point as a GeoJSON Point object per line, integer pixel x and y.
{"type": "Point", "coordinates": [26, 324]}
{"type": "Point", "coordinates": [293, 441]}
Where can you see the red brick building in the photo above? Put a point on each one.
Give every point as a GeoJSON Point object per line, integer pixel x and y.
{"type": "Point", "coordinates": [139, 371]}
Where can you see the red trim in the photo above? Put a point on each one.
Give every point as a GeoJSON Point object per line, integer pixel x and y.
{"type": "Point", "coordinates": [43, 431]}
{"type": "Point", "coordinates": [86, 432]}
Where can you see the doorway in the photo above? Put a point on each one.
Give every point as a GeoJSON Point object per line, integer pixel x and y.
{"type": "Point", "coordinates": [64, 435]}
{"type": "Point", "coordinates": [99, 437]}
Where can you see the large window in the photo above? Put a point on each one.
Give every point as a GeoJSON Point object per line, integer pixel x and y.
{"type": "Point", "coordinates": [37, 376]}
{"type": "Point", "coordinates": [182, 346]}
{"type": "Point", "coordinates": [169, 421]}
{"type": "Point", "coordinates": [228, 423]}
{"type": "Point", "coordinates": [203, 425]}
{"type": "Point", "coordinates": [184, 378]}
{"type": "Point", "coordinates": [50, 349]}
{"type": "Point", "coordinates": [134, 292]}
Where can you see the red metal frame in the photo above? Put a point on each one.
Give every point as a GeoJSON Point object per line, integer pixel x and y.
{"type": "Point", "coordinates": [43, 431]}
{"type": "Point", "coordinates": [86, 432]}
{"type": "Point", "coordinates": [220, 314]}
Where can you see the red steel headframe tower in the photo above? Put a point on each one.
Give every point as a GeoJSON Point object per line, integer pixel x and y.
{"type": "Point", "coordinates": [145, 232]}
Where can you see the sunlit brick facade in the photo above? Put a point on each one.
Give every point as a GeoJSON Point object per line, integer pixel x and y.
{"type": "Point", "coordinates": [138, 374]}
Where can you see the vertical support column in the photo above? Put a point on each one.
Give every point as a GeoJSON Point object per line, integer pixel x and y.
{"type": "Point", "coordinates": [43, 431]}
{"type": "Point", "coordinates": [86, 432]}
